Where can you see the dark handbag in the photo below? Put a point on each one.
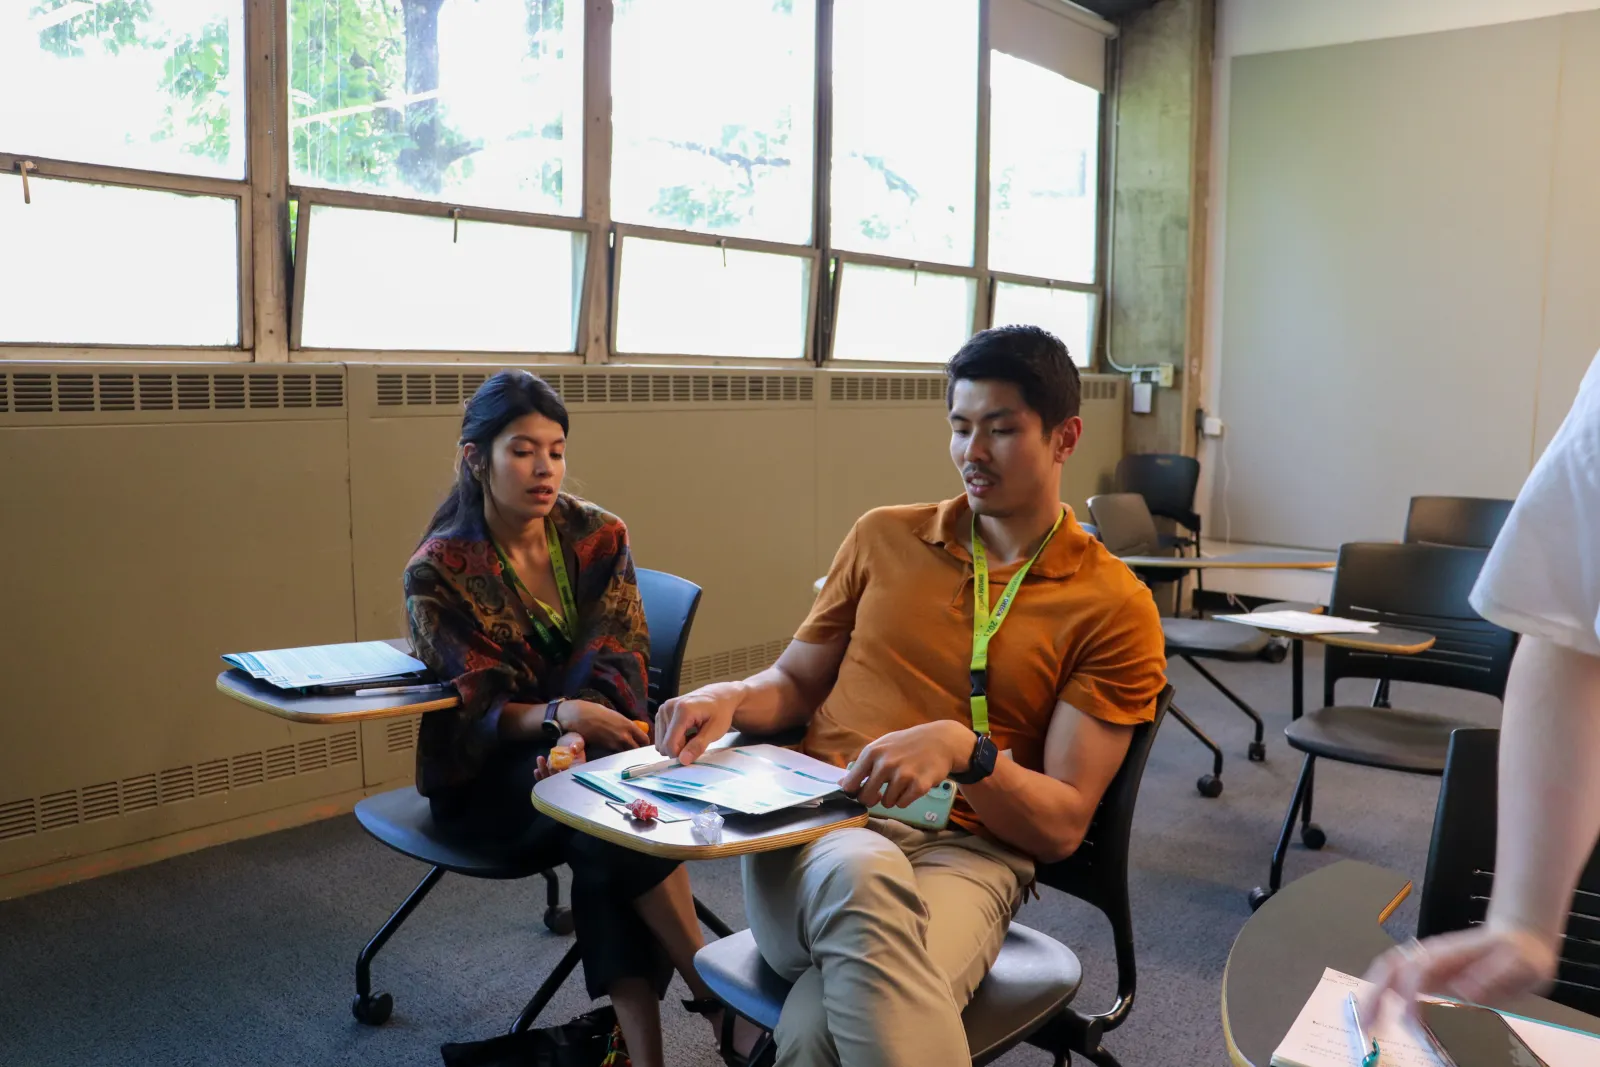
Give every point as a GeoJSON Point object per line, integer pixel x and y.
{"type": "Point", "coordinates": [590, 1040]}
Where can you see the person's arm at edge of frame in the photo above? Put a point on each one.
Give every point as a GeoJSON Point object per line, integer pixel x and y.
{"type": "Point", "coordinates": [1547, 826]}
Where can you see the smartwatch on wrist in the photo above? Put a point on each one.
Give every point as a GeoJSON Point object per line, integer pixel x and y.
{"type": "Point", "coordinates": [980, 764]}
{"type": "Point", "coordinates": [550, 729]}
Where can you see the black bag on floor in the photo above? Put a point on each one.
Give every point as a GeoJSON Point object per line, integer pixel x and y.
{"type": "Point", "coordinates": [586, 1041]}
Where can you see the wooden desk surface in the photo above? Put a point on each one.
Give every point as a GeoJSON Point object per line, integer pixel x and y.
{"type": "Point", "coordinates": [328, 710]}
{"type": "Point", "coordinates": [567, 800]}
{"type": "Point", "coordinates": [1329, 918]}
{"type": "Point", "coordinates": [1255, 559]}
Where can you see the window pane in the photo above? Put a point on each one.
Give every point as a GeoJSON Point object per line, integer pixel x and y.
{"type": "Point", "coordinates": [376, 279]}
{"type": "Point", "coordinates": [696, 300]}
{"type": "Point", "coordinates": [905, 120]}
{"type": "Point", "coordinates": [901, 315]}
{"type": "Point", "coordinates": [712, 104]}
{"type": "Point", "coordinates": [1067, 314]}
{"type": "Point", "coordinates": [101, 264]}
{"type": "Point", "coordinates": [154, 84]}
{"type": "Point", "coordinates": [1044, 156]}
{"type": "Point", "coordinates": [469, 101]}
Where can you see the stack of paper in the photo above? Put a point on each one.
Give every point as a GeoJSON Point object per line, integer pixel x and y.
{"type": "Point", "coordinates": [752, 780]}
{"type": "Point", "coordinates": [327, 665]}
{"type": "Point", "coordinates": [1301, 622]}
{"type": "Point", "coordinates": [1324, 1036]}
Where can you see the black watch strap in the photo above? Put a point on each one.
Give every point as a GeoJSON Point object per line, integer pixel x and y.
{"type": "Point", "coordinates": [981, 764]}
{"type": "Point", "coordinates": [552, 725]}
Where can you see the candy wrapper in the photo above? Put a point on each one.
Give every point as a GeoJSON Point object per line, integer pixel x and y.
{"type": "Point", "coordinates": [708, 826]}
{"type": "Point", "coordinates": [560, 758]}
{"type": "Point", "coordinates": [643, 810]}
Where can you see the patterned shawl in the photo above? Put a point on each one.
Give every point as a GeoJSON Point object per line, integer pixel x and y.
{"type": "Point", "coordinates": [468, 625]}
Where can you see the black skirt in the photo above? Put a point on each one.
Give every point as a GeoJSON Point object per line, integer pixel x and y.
{"type": "Point", "coordinates": [613, 940]}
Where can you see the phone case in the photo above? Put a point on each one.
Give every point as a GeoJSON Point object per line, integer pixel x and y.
{"type": "Point", "coordinates": [930, 811]}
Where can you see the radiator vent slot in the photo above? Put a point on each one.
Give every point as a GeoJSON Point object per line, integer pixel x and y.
{"type": "Point", "coordinates": [401, 734]}
{"type": "Point", "coordinates": [84, 392]}
{"type": "Point", "coordinates": [734, 663]}
{"type": "Point", "coordinates": [414, 389]}
{"type": "Point", "coordinates": [881, 388]}
{"type": "Point", "coordinates": [1102, 388]}
{"type": "Point", "coordinates": [107, 800]}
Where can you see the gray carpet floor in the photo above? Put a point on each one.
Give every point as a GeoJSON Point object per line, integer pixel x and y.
{"type": "Point", "coordinates": [243, 954]}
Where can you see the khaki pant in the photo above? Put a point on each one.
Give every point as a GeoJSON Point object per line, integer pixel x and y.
{"type": "Point", "coordinates": [885, 932]}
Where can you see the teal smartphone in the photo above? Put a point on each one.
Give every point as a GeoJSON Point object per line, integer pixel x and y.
{"type": "Point", "coordinates": [930, 811]}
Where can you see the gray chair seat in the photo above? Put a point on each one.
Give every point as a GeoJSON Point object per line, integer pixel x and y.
{"type": "Point", "coordinates": [402, 820]}
{"type": "Point", "coordinates": [1212, 639]}
{"type": "Point", "coordinates": [1035, 977]}
{"type": "Point", "coordinates": [1390, 738]}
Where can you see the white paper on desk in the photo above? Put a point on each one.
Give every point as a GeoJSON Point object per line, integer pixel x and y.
{"type": "Point", "coordinates": [1300, 622]}
{"type": "Point", "coordinates": [611, 784]}
{"type": "Point", "coordinates": [300, 668]}
{"type": "Point", "coordinates": [1322, 1035]}
{"type": "Point", "coordinates": [751, 780]}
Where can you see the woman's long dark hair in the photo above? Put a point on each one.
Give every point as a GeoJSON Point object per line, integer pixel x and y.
{"type": "Point", "coordinates": [500, 401]}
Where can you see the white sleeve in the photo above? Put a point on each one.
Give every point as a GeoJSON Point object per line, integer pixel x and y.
{"type": "Point", "coordinates": [1543, 575]}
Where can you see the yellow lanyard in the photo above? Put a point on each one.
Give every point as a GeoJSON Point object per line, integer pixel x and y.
{"type": "Point", "coordinates": [569, 610]}
{"type": "Point", "coordinates": [985, 624]}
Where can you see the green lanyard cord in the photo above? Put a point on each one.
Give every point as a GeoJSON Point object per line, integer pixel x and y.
{"type": "Point", "coordinates": [569, 611]}
{"type": "Point", "coordinates": [985, 624]}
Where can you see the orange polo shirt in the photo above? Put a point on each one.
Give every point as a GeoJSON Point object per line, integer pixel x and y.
{"type": "Point", "coordinates": [1082, 629]}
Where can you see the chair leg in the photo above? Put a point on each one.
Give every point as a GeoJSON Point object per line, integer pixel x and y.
{"type": "Point", "coordinates": [1258, 748]}
{"type": "Point", "coordinates": [1380, 693]}
{"type": "Point", "coordinates": [546, 991]}
{"type": "Point", "coordinates": [1258, 896]}
{"type": "Point", "coordinates": [374, 1010]}
{"type": "Point", "coordinates": [1101, 1057]}
{"type": "Point", "coordinates": [1210, 785]}
{"type": "Point", "coordinates": [711, 920]}
{"type": "Point", "coordinates": [557, 920]}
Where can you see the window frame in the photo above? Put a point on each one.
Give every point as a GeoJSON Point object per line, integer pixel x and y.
{"type": "Point", "coordinates": [271, 285]}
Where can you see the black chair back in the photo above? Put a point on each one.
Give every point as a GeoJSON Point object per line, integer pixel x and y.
{"type": "Point", "coordinates": [1124, 524]}
{"type": "Point", "coordinates": [1098, 872]}
{"type": "Point", "coordinates": [1418, 587]}
{"type": "Point", "coordinates": [1462, 521]}
{"type": "Point", "coordinates": [669, 606]}
{"type": "Point", "coordinates": [1166, 481]}
{"type": "Point", "coordinates": [1455, 891]}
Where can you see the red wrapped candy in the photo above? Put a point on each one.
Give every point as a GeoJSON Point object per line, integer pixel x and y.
{"type": "Point", "coordinates": [643, 810]}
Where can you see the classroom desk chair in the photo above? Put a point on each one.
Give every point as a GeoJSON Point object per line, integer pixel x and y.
{"type": "Point", "coordinates": [402, 820]}
{"type": "Point", "coordinates": [1026, 995]}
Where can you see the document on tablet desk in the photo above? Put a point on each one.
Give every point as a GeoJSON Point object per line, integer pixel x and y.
{"type": "Point", "coordinates": [327, 665]}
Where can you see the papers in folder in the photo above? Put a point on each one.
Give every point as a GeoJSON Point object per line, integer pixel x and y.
{"type": "Point", "coordinates": [1301, 622]}
{"type": "Point", "coordinates": [752, 780]}
{"type": "Point", "coordinates": [327, 665]}
{"type": "Point", "coordinates": [1323, 1035]}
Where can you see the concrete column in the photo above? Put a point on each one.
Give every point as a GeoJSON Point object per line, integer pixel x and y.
{"type": "Point", "coordinates": [1160, 158]}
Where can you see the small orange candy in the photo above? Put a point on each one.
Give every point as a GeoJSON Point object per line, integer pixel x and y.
{"type": "Point", "coordinates": [560, 758]}
{"type": "Point", "coordinates": [643, 725]}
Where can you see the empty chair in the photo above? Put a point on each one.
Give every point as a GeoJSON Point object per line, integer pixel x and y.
{"type": "Point", "coordinates": [1460, 875]}
{"type": "Point", "coordinates": [1461, 521]}
{"type": "Point", "coordinates": [1415, 587]}
{"type": "Point", "coordinates": [1026, 994]}
{"type": "Point", "coordinates": [1127, 529]}
{"type": "Point", "coordinates": [1167, 482]}
{"type": "Point", "coordinates": [402, 819]}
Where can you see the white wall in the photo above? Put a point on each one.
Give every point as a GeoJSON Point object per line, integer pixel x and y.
{"type": "Point", "coordinates": [1246, 27]}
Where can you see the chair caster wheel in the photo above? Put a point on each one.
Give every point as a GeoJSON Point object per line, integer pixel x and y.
{"type": "Point", "coordinates": [558, 920]}
{"type": "Point", "coordinates": [1277, 650]}
{"type": "Point", "coordinates": [1257, 752]}
{"type": "Point", "coordinates": [1210, 786]}
{"type": "Point", "coordinates": [373, 1011]}
{"type": "Point", "coordinates": [1312, 837]}
{"type": "Point", "coordinates": [1258, 897]}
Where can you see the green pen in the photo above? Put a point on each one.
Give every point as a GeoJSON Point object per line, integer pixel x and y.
{"type": "Point", "coordinates": [1368, 1059]}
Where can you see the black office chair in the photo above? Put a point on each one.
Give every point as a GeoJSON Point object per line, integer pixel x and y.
{"type": "Point", "coordinates": [402, 820]}
{"type": "Point", "coordinates": [1416, 587]}
{"type": "Point", "coordinates": [1168, 483]}
{"type": "Point", "coordinates": [1460, 875]}
{"type": "Point", "coordinates": [1127, 529]}
{"type": "Point", "coordinates": [1026, 994]}
{"type": "Point", "coordinates": [1459, 521]}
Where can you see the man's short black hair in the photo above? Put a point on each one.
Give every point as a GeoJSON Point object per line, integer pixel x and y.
{"type": "Point", "coordinates": [1032, 359]}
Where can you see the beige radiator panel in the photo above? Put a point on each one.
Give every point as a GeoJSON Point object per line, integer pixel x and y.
{"type": "Point", "coordinates": [142, 551]}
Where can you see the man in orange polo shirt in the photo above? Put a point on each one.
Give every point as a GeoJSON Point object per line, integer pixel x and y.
{"type": "Point", "coordinates": [886, 930]}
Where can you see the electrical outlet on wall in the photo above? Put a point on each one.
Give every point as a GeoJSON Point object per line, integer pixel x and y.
{"type": "Point", "coordinates": [1212, 427]}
